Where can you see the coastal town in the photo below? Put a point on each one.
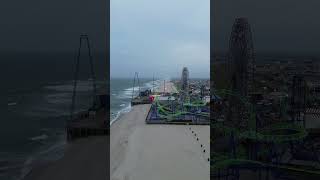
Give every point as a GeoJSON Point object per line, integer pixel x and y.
{"type": "Point", "coordinates": [166, 135]}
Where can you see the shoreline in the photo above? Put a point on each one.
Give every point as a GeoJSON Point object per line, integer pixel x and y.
{"type": "Point", "coordinates": [140, 151]}
{"type": "Point", "coordinates": [128, 108]}
{"type": "Point", "coordinates": [119, 114]}
{"type": "Point", "coordinates": [169, 85]}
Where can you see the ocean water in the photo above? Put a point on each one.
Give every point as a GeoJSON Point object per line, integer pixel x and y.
{"type": "Point", "coordinates": [121, 90]}
{"type": "Point", "coordinates": [38, 93]}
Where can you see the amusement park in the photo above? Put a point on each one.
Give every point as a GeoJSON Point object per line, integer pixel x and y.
{"type": "Point", "coordinates": [182, 101]}
{"type": "Point", "coordinates": [263, 125]}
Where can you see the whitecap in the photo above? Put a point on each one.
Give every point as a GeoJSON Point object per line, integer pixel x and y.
{"type": "Point", "coordinates": [12, 104]}
{"type": "Point", "coordinates": [136, 88]}
{"type": "Point", "coordinates": [124, 110]}
{"type": "Point", "coordinates": [41, 137]}
{"type": "Point", "coordinates": [82, 86]}
{"type": "Point", "coordinates": [59, 98]}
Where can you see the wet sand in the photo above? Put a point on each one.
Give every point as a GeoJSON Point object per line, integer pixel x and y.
{"type": "Point", "coordinates": [84, 159]}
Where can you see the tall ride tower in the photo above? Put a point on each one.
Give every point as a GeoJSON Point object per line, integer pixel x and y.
{"type": "Point", "coordinates": [184, 83]}
{"type": "Point", "coordinates": [241, 58]}
{"type": "Point", "coordinates": [241, 68]}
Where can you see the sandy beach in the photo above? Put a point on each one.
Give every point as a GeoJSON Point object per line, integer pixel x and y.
{"type": "Point", "coordinates": [137, 152]}
{"type": "Point", "coordinates": [157, 152]}
{"type": "Point", "coordinates": [166, 87]}
{"type": "Point", "coordinates": [84, 159]}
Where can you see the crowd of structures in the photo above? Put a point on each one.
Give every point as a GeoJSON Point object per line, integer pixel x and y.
{"type": "Point", "coordinates": [188, 103]}
{"type": "Point", "coordinates": [265, 115]}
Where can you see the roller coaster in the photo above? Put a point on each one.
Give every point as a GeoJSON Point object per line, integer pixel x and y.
{"type": "Point", "coordinates": [177, 111]}
{"type": "Point", "coordinates": [258, 148]}
{"type": "Point", "coordinates": [249, 140]}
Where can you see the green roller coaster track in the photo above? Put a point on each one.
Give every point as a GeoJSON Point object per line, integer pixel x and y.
{"type": "Point", "coordinates": [229, 162]}
{"type": "Point", "coordinates": [166, 113]}
{"type": "Point", "coordinates": [265, 135]}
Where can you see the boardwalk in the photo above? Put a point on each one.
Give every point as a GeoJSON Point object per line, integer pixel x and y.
{"type": "Point", "coordinates": [167, 87]}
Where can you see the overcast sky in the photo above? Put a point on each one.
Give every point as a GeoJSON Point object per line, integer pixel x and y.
{"type": "Point", "coordinates": [52, 25]}
{"type": "Point", "coordinates": [161, 37]}
{"type": "Point", "coordinates": [278, 25]}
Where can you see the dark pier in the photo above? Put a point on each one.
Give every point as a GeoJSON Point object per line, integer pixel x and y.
{"type": "Point", "coordinates": [92, 122]}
